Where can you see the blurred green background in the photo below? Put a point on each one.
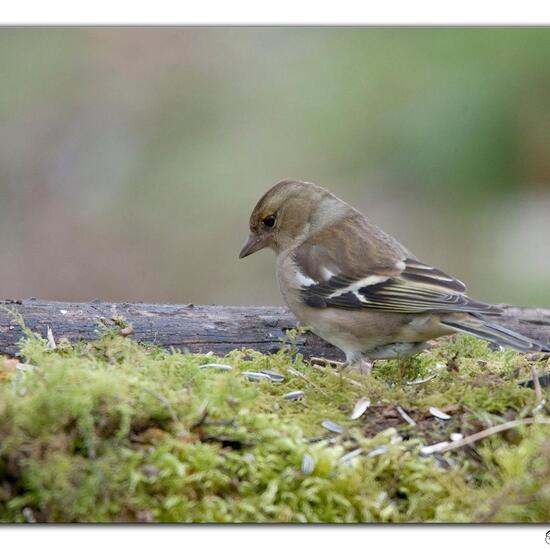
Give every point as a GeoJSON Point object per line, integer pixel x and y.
{"type": "Point", "coordinates": [130, 158]}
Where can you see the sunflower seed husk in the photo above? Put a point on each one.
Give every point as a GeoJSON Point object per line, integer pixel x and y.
{"type": "Point", "coordinates": [51, 340]}
{"type": "Point", "coordinates": [294, 395]}
{"type": "Point", "coordinates": [350, 456]}
{"type": "Point", "coordinates": [308, 464]}
{"type": "Point", "coordinates": [378, 451]}
{"type": "Point", "coordinates": [396, 439]}
{"type": "Point", "coordinates": [434, 411]}
{"type": "Point", "coordinates": [421, 380]}
{"type": "Point", "coordinates": [28, 515]}
{"type": "Point", "coordinates": [405, 416]}
{"type": "Point", "coordinates": [273, 376]}
{"type": "Point", "coordinates": [360, 408]}
{"type": "Point", "coordinates": [255, 376]}
{"type": "Point", "coordinates": [332, 426]}
{"type": "Point", "coordinates": [389, 432]}
{"type": "Point", "coordinates": [435, 448]}
{"type": "Point", "coordinates": [216, 366]}
{"type": "Point", "coordinates": [456, 436]}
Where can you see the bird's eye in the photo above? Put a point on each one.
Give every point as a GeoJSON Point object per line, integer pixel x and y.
{"type": "Point", "coordinates": [269, 221]}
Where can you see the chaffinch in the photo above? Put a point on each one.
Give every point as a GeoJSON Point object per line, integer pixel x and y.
{"type": "Point", "coordinates": [356, 286]}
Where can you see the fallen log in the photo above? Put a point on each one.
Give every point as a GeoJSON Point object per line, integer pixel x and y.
{"type": "Point", "coordinates": [198, 329]}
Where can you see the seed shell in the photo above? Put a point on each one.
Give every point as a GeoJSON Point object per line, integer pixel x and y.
{"type": "Point", "coordinates": [308, 464]}
{"type": "Point", "coordinates": [405, 416]}
{"type": "Point", "coordinates": [435, 448]}
{"type": "Point", "coordinates": [255, 376]}
{"type": "Point", "coordinates": [421, 380]}
{"type": "Point", "coordinates": [294, 395]}
{"type": "Point", "coordinates": [360, 408]}
{"type": "Point", "coordinates": [434, 411]}
{"type": "Point", "coordinates": [218, 366]}
{"type": "Point", "coordinates": [332, 426]}
{"type": "Point", "coordinates": [350, 456]}
{"type": "Point", "coordinates": [378, 451]}
{"type": "Point", "coordinates": [273, 376]}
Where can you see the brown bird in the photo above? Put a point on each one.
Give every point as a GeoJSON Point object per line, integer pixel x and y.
{"type": "Point", "coordinates": [357, 287]}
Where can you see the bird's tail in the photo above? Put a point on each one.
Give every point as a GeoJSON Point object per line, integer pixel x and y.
{"type": "Point", "coordinates": [497, 334]}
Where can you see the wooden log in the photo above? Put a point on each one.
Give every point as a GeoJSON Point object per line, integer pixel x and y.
{"type": "Point", "coordinates": [199, 329]}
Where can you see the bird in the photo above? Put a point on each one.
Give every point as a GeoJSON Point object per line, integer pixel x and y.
{"type": "Point", "coordinates": [357, 287]}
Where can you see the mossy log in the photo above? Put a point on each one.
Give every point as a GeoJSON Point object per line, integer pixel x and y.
{"type": "Point", "coordinates": [198, 328]}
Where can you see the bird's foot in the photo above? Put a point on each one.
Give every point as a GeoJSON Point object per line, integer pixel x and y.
{"type": "Point", "coordinates": [359, 364]}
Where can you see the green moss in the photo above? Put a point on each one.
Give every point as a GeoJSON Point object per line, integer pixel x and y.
{"type": "Point", "coordinates": [117, 431]}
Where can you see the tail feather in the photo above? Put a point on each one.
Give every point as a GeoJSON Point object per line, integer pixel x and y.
{"type": "Point", "coordinates": [495, 333]}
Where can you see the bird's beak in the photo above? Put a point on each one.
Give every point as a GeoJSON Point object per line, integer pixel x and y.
{"type": "Point", "coordinates": [253, 244]}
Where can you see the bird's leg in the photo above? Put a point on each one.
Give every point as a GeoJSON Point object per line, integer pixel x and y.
{"type": "Point", "coordinates": [357, 361]}
{"type": "Point", "coordinates": [364, 365]}
{"type": "Point", "coordinates": [536, 383]}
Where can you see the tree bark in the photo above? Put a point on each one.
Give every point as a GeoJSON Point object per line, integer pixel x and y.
{"type": "Point", "coordinates": [199, 329]}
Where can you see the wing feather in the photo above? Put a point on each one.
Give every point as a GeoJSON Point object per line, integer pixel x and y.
{"type": "Point", "coordinates": [417, 288]}
{"type": "Point", "coordinates": [372, 270]}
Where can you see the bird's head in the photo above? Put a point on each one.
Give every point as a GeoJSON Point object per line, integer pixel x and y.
{"type": "Point", "coordinates": [290, 210]}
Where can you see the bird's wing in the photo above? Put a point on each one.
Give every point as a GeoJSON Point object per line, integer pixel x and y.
{"type": "Point", "coordinates": [358, 266]}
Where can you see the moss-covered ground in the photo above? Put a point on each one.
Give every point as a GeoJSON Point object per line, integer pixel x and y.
{"type": "Point", "coordinates": [115, 431]}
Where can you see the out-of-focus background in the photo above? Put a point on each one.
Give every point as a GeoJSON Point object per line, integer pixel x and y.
{"type": "Point", "coordinates": [130, 158]}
